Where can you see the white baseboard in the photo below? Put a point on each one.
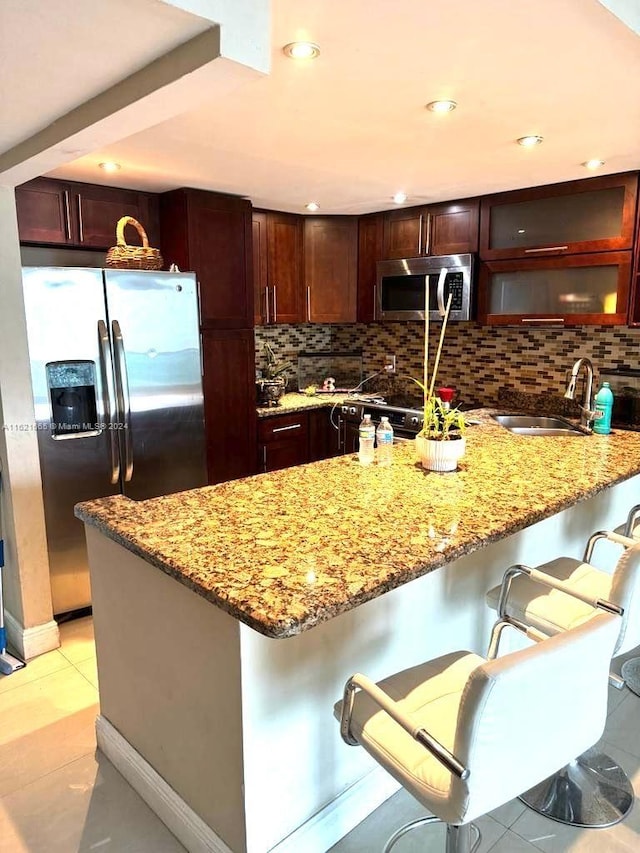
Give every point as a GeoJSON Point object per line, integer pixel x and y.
{"type": "Point", "coordinates": [317, 835]}
{"type": "Point", "coordinates": [172, 810]}
{"type": "Point", "coordinates": [341, 815]}
{"type": "Point", "coordinates": [31, 642]}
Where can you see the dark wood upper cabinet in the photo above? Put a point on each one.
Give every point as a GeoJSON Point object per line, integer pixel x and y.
{"type": "Point", "coordinates": [331, 263]}
{"type": "Point", "coordinates": [284, 267]}
{"type": "Point", "coordinates": [453, 227]}
{"type": "Point", "coordinates": [277, 267]}
{"type": "Point", "coordinates": [44, 212]}
{"type": "Point", "coordinates": [450, 228]}
{"type": "Point", "coordinates": [261, 304]}
{"type": "Point", "coordinates": [593, 215]}
{"type": "Point", "coordinates": [72, 214]}
{"type": "Point", "coordinates": [588, 289]}
{"type": "Point", "coordinates": [98, 210]}
{"type": "Point", "coordinates": [229, 403]}
{"type": "Point", "coordinates": [370, 234]}
{"type": "Point", "coordinates": [634, 300]}
{"type": "Point", "coordinates": [210, 233]}
{"type": "Point", "coordinates": [405, 233]}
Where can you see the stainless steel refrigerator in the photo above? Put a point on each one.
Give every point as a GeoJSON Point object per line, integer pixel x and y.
{"type": "Point", "coordinates": [117, 382]}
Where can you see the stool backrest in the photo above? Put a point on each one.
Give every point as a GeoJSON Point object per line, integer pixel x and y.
{"type": "Point", "coordinates": [527, 714]}
{"type": "Point", "coordinates": [625, 591]}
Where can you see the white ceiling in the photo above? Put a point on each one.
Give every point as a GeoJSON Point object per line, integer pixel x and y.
{"type": "Point", "coordinates": [350, 128]}
{"type": "Point", "coordinates": [56, 54]}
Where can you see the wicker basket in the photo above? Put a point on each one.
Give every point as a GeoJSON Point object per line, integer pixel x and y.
{"type": "Point", "coordinates": [125, 257]}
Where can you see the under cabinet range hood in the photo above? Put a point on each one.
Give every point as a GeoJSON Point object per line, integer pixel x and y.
{"type": "Point", "coordinates": [402, 286]}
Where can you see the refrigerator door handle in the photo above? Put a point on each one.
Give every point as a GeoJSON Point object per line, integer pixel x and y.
{"type": "Point", "coordinates": [124, 401]}
{"type": "Point", "coordinates": [104, 348]}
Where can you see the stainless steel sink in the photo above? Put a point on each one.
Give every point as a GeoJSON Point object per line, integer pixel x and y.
{"type": "Point", "coordinates": [538, 425]}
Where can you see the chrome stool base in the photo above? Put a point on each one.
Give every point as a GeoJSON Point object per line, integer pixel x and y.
{"type": "Point", "coordinates": [592, 791]}
{"type": "Point", "coordinates": [631, 674]}
{"type": "Point", "coordinates": [458, 837]}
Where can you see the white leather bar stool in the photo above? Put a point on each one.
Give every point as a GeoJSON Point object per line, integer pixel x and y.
{"type": "Point", "coordinates": [592, 790]}
{"type": "Point", "coordinates": [465, 734]}
{"type": "Point", "coordinates": [631, 668]}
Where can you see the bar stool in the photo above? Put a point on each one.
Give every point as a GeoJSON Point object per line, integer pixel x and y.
{"type": "Point", "coordinates": [592, 790]}
{"type": "Point", "coordinates": [465, 734]}
{"type": "Point", "coordinates": [630, 670]}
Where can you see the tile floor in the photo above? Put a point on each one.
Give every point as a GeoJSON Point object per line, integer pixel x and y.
{"type": "Point", "coordinates": [57, 795]}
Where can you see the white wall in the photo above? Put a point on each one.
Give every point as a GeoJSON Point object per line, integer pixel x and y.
{"type": "Point", "coordinates": [27, 588]}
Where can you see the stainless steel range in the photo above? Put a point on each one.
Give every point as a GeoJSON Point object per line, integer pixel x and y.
{"type": "Point", "coordinates": [404, 411]}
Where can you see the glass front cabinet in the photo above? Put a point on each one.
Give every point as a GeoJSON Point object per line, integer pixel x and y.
{"type": "Point", "coordinates": [589, 289]}
{"type": "Point", "coordinates": [593, 215]}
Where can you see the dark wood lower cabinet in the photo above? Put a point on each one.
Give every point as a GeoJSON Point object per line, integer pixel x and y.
{"type": "Point", "coordinates": [283, 441]}
{"type": "Point", "coordinates": [323, 436]}
{"type": "Point", "coordinates": [229, 403]}
{"type": "Point", "coordinates": [295, 439]}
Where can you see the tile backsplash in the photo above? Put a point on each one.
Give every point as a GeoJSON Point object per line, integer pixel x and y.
{"type": "Point", "coordinates": [477, 360]}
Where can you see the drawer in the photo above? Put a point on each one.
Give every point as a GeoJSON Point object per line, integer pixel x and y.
{"type": "Point", "coordinates": [294, 427]}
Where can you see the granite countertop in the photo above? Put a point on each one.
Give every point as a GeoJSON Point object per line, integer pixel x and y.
{"type": "Point", "coordinates": [287, 550]}
{"type": "Point", "coordinates": [295, 402]}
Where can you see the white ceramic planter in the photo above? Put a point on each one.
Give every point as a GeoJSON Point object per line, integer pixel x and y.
{"type": "Point", "coordinates": [440, 455]}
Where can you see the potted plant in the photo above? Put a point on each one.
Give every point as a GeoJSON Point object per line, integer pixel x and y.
{"type": "Point", "coordinates": [273, 383]}
{"type": "Point", "coordinates": [440, 444]}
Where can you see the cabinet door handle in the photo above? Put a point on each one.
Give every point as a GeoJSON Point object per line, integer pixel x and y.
{"type": "Point", "coordinates": [286, 428]}
{"type": "Point", "coordinates": [308, 304]}
{"type": "Point", "coordinates": [80, 223]}
{"type": "Point", "coordinates": [375, 301]}
{"type": "Point", "coordinates": [427, 235]}
{"type": "Point", "coordinates": [264, 458]}
{"type": "Point", "coordinates": [440, 291]}
{"type": "Point", "coordinates": [542, 320]}
{"type": "Point", "coordinates": [67, 211]}
{"type": "Point", "coordinates": [547, 249]}
{"type": "Point", "coordinates": [266, 302]}
{"type": "Point", "coordinates": [420, 235]}
{"type": "Point", "coordinates": [275, 306]}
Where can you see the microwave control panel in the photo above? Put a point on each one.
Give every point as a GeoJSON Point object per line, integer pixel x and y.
{"type": "Point", "coordinates": [454, 285]}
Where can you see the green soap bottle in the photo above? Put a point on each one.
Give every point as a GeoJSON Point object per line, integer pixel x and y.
{"type": "Point", "coordinates": [603, 407]}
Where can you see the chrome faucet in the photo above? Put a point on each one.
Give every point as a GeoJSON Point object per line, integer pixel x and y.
{"type": "Point", "coordinates": [587, 414]}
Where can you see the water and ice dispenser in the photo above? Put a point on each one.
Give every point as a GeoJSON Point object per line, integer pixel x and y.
{"type": "Point", "coordinates": [72, 393]}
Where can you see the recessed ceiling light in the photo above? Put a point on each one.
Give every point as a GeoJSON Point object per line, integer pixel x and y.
{"type": "Point", "coordinates": [312, 205]}
{"type": "Point", "coordinates": [593, 164]}
{"type": "Point", "coordinates": [529, 141]}
{"type": "Point", "coordinates": [301, 50]}
{"type": "Point", "coordinates": [109, 166]}
{"type": "Point", "coordinates": [400, 197]}
{"type": "Point", "coordinates": [446, 106]}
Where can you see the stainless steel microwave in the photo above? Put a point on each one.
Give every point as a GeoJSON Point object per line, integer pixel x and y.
{"type": "Point", "coordinates": [402, 284]}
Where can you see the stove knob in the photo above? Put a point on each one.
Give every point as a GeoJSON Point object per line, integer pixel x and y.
{"type": "Point", "coordinates": [345, 410]}
{"type": "Point", "coordinates": [415, 421]}
{"type": "Point", "coordinates": [353, 410]}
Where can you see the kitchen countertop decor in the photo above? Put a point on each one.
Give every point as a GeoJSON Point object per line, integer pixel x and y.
{"type": "Point", "coordinates": [287, 550]}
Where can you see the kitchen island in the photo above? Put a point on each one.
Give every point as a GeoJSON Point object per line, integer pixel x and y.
{"type": "Point", "coordinates": [228, 618]}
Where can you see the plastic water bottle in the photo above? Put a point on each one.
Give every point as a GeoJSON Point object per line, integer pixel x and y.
{"type": "Point", "coordinates": [367, 436]}
{"type": "Point", "coordinates": [603, 407]}
{"type": "Point", "coordinates": [384, 441]}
